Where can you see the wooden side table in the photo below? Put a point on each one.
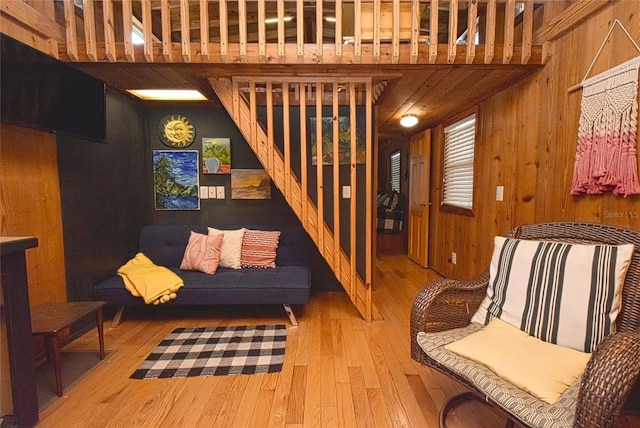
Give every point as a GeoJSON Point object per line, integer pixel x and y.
{"type": "Point", "coordinates": [49, 319]}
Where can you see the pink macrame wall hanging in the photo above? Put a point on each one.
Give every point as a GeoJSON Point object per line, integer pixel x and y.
{"type": "Point", "coordinates": [606, 153]}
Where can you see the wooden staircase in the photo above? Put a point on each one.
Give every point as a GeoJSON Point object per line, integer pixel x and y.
{"type": "Point", "coordinates": [241, 96]}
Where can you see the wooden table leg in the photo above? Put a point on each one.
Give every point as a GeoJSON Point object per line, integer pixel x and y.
{"type": "Point", "coordinates": [54, 346]}
{"type": "Point", "coordinates": [99, 322]}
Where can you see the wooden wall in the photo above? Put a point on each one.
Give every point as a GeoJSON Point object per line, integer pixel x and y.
{"type": "Point", "coordinates": [527, 143]}
{"type": "Point", "coordinates": [30, 206]}
{"type": "Point", "coordinates": [30, 195]}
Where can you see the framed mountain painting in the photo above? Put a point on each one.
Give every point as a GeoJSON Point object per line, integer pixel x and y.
{"type": "Point", "coordinates": [175, 179]}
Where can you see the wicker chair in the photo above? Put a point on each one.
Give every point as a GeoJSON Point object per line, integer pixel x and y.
{"type": "Point", "coordinates": [614, 367]}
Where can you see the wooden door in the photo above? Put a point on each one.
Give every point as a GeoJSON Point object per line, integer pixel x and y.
{"type": "Point", "coordinates": [419, 152]}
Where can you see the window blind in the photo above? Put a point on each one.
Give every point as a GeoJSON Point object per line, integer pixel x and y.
{"type": "Point", "coordinates": [395, 171]}
{"type": "Point", "coordinates": [459, 145]}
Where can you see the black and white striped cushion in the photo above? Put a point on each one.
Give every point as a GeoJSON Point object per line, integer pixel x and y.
{"type": "Point", "coordinates": [567, 294]}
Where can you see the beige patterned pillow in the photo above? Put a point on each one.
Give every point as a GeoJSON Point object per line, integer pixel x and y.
{"type": "Point", "coordinates": [230, 256]}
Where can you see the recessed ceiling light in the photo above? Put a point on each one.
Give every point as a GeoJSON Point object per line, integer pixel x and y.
{"type": "Point", "coordinates": [168, 94]}
{"type": "Point", "coordinates": [409, 120]}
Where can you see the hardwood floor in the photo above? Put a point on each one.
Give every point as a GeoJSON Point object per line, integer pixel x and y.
{"type": "Point", "coordinates": [339, 371]}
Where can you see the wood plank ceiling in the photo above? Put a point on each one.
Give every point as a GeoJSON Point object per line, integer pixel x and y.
{"type": "Point", "coordinates": [432, 92]}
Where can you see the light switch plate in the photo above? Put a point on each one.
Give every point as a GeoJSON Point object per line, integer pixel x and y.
{"type": "Point", "coordinates": [204, 192]}
{"type": "Point", "coordinates": [212, 192]}
{"type": "Point", "coordinates": [220, 192]}
{"type": "Point", "coordinates": [346, 192]}
{"type": "Point", "coordinates": [500, 193]}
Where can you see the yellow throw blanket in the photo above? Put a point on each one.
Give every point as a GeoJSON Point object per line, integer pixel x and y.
{"type": "Point", "coordinates": [155, 284]}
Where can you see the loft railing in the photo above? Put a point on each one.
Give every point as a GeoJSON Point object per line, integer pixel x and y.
{"type": "Point", "coordinates": [294, 31]}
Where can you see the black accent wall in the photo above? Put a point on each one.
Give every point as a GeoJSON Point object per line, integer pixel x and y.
{"type": "Point", "coordinates": [216, 123]}
{"type": "Point", "coordinates": [105, 197]}
{"type": "Point", "coordinates": [107, 192]}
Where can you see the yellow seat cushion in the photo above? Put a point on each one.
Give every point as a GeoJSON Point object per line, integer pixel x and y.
{"type": "Point", "coordinates": [542, 369]}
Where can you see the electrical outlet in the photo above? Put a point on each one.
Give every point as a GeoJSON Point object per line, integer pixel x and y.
{"type": "Point", "coordinates": [212, 192]}
{"type": "Point", "coordinates": [500, 193]}
{"type": "Point", "coordinates": [220, 192]}
{"type": "Point", "coordinates": [204, 192]}
{"type": "Point", "coordinates": [454, 258]}
{"type": "Point", "coordinates": [346, 192]}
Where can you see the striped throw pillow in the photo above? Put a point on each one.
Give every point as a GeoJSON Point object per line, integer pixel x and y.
{"type": "Point", "coordinates": [567, 294]}
{"type": "Point", "coordinates": [259, 248]}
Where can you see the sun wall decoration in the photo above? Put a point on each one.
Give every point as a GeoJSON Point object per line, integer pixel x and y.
{"type": "Point", "coordinates": [176, 131]}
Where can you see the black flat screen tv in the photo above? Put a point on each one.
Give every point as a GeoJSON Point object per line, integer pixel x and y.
{"type": "Point", "coordinates": [39, 91]}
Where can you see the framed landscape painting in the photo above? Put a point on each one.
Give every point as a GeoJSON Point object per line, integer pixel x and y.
{"type": "Point", "coordinates": [216, 156]}
{"type": "Point", "coordinates": [250, 184]}
{"type": "Point", "coordinates": [175, 179]}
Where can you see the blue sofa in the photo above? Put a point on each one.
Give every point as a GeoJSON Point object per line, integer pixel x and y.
{"type": "Point", "coordinates": [286, 284]}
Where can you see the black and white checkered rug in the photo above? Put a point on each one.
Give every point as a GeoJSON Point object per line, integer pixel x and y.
{"type": "Point", "coordinates": [216, 351]}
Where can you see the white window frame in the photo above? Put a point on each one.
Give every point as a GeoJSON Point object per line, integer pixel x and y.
{"type": "Point", "coordinates": [458, 163]}
{"type": "Point", "coordinates": [395, 163]}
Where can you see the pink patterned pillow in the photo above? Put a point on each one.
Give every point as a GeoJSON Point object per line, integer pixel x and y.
{"type": "Point", "coordinates": [202, 253]}
{"type": "Point", "coordinates": [259, 248]}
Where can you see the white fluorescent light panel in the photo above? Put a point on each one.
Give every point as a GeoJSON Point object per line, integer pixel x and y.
{"type": "Point", "coordinates": [168, 94]}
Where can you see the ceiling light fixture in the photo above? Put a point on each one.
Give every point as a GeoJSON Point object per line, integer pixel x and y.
{"type": "Point", "coordinates": [409, 120]}
{"type": "Point", "coordinates": [168, 94]}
